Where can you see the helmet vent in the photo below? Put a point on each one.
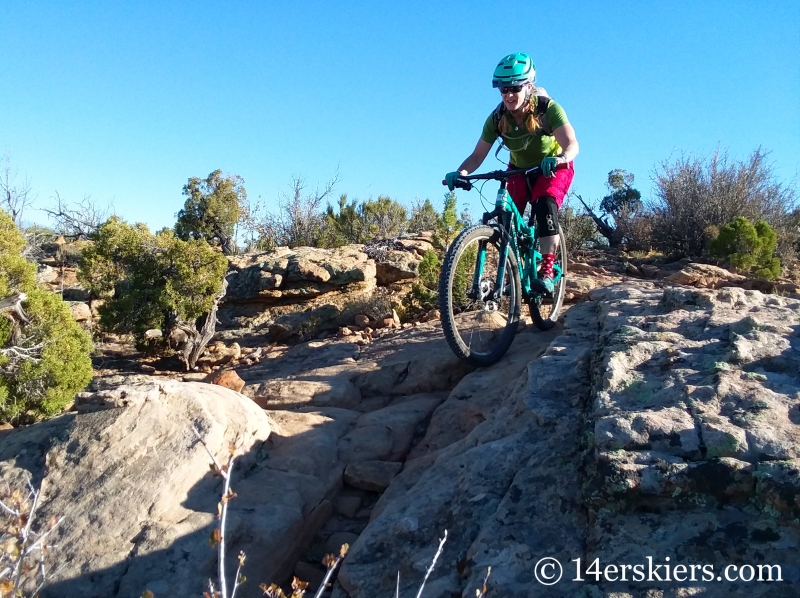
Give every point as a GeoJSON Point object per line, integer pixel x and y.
{"type": "Point", "coordinates": [514, 69]}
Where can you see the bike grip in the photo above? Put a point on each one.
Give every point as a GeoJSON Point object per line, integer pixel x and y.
{"type": "Point", "coordinates": [460, 184]}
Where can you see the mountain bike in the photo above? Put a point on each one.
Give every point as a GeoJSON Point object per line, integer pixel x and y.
{"type": "Point", "coordinates": [489, 270]}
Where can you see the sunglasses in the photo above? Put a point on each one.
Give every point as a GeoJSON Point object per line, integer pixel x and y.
{"type": "Point", "coordinates": [511, 89]}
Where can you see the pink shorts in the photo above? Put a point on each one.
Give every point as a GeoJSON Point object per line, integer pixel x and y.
{"type": "Point", "coordinates": [556, 187]}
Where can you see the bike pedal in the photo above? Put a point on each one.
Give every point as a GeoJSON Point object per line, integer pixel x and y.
{"type": "Point", "coordinates": [539, 288]}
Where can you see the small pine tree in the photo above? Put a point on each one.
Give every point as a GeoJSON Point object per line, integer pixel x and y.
{"type": "Point", "coordinates": [345, 227]}
{"type": "Point", "coordinates": [622, 196]}
{"type": "Point", "coordinates": [449, 224]}
{"type": "Point", "coordinates": [748, 247]}
{"type": "Point", "coordinates": [424, 292]}
{"type": "Point", "coordinates": [429, 270]}
{"type": "Point", "coordinates": [45, 361]}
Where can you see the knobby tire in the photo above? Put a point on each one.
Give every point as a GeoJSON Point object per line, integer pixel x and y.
{"type": "Point", "coordinates": [467, 323]}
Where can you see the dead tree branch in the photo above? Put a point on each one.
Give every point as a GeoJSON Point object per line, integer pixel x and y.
{"type": "Point", "coordinates": [605, 229]}
{"type": "Point", "coordinates": [80, 220]}
{"type": "Point", "coordinates": [14, 304]}
{"type": "Point", "coordinates": [196, 340]}
{"type": "Point", "coordinates": [16, 351]}
{"type": "Point", "coordinates": [14, 198]}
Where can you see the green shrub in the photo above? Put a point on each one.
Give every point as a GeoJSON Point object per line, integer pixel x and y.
{"type": "Point", "coordinates": [149, 281]}
{"type": "Point", "coordinates": [379, 305]}
{"type": "Point", "coordinates": [423, 217]}
{"type": "Point", "coordinates": [419, 300]}
{"type": "Point", "coordinates": [429, 269]}
{"type": "Point", "coordinates": [462, 281]}
{"type": "Point", "coordinates": [748, 248]}
{"type": "Point", "coordinates": [424, 292]}
{"type": "Point", "coordinates": [692, 194]}
{"type": "Point", "coordinates": [579, 229]}
{"type": "Point", "coordinates": [449, 225]}
{"type": "Point", "coordinates": [57, 363]}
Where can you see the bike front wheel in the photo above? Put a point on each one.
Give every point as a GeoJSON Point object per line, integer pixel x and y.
{"type": "Point", "coordinates": [545, 308]}
{"type": "Point", "coordinates": [479, 320]}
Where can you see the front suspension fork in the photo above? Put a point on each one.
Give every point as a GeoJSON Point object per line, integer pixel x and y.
{"type": "Point", "coordinates": [505, 223]}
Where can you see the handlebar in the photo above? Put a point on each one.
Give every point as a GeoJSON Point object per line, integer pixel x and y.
{"type": "Point", "coordinates": [463, 182]}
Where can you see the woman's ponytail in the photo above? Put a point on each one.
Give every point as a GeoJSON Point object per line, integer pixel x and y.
{"type": "Point", "coordinates": [531, 122]}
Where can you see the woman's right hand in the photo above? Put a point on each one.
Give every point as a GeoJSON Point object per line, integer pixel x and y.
{"type": "Point", "coordinates": [450, 179]}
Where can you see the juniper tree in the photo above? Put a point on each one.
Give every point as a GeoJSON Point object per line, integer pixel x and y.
{"type": "Point", "coordinates": [213, 207]}
{"type": "Point", "coordinates": [423, 217]}
{"type": "Point", "coordinates": [154, 282]}
{"type": "Point", "coordinates": [44, 353]}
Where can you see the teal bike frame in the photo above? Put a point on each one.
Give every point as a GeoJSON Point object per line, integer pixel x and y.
{"type": "Point", "coordinates": [512, 228]}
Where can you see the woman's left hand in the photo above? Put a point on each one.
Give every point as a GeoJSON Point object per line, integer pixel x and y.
{"type": "Point", "coordinates": [549, 166]}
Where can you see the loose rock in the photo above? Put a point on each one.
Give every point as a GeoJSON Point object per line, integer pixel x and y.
{"type": "Point", "coordinates": [226, 378]}
{"type": "Point", "coordinates": [374, 476]}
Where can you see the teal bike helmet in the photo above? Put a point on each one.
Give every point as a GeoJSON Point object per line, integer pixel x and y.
{"type": "Point", "coordinates": [514, 69]}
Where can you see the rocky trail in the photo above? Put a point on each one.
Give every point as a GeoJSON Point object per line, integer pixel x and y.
{"type": "Point", "coordinates": [661, 423]}
{"type": "Point", "coordinates": [316, 460]}
{"type": "Point", "coordinates": [657, 421]}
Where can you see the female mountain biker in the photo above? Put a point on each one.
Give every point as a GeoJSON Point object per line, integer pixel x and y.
{"type": "Point", "coordinates": [536, 132]}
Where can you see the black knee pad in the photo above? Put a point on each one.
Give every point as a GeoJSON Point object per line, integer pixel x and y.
{"type": "Point", "coordinates": [546, 211]}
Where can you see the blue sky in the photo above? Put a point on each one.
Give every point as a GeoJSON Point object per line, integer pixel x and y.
{"type": "Point", "coordinates": [124, 101]}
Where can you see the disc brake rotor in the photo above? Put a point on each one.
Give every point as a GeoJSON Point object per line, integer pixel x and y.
{"type": "Point", "coordinates": [486, 289]}
{"type": "Point", "coordinates": [489, 304]}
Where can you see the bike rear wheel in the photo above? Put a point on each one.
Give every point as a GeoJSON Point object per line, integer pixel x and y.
{"type": "Point", "coordinates": [545, 308]}
{"type": "Point", "coordinates": [479, 326]}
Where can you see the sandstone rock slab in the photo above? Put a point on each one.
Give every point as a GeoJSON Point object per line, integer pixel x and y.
{"type": "Point", "coordinates": [127, 466]}
{"type": "Point", "coordinates": [396, 266]}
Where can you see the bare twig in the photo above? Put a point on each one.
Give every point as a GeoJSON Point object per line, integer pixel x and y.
{"type": "Point", "coordinates": [218, 535]}
{"type": "Point", "coordinates": [18, 568]}
{"type": "Point", "coordinates": [217, 467]}
{"type": "Point", "coordinates": [226, 496]}
{"type": "Point", "coordinates": [9, 510]}
{"type": "Point", "coordinates": [19, 541]}
{"type": "Point", "coordinates": [238, 580]}
{"type": "Point", "coordinates": [331, 562]}
{"type": "Point", "coordinates": [40, 541]}
{"type": "Point", "coordinates": [483, 590]}
{"type": "Point", "coordinates": [23, 353]}
{"type": "Point", "coordinates": [433, 564]}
